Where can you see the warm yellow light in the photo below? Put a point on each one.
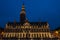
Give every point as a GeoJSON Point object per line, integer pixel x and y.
{"type": "Point", "coordinates": [56, 32]}
{"type": "Point", "coordinates": [2, 32]}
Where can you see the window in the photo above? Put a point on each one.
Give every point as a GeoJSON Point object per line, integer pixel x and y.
{"type": "Point", "coordinates": [35, 35]}
{"type": "Point", "coordinates": [23, 35]}
{"type": "Point", "coordinates": [42, 35]}
{"type": "Point", "coordinates": [8, 34]}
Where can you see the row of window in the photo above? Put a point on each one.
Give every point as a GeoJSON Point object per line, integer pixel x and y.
{"type": "Point", "coordinates": [26, 26]}
{"type": "Point", "coordinates": [32, 39]}
{"type": "Point", "coordinates": [27, 30]}
{"type": "Point", "coordinates": [39, 30]}
{"type": "Point", "coordinates": [24, 35]}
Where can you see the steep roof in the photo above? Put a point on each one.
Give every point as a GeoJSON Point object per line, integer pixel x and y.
{"type": "Point", "coordinates": [32, 23]}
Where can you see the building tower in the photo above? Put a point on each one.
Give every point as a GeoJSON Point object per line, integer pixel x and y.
{"type": "Point", "coordinates": [22, 14]}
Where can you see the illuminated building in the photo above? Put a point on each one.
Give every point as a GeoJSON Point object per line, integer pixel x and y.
{"type": "Point", "coordinates": [26, 30]}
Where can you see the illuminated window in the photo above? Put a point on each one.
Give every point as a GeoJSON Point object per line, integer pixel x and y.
{"type": "Point", "coordinates": [32, 35]}
{"type": "Point", "coordinates": [37, 35]}
{"type": "Point", "coordinates": [49, 35]}
{"type": "Point", "coordinates": [23, 35]}
{"type": "Point", "coordinates": [20, 35]}
{"type": "Point", "coordinates": [42, 35]}
{"type": "Point", "coordinates": [8, 34]}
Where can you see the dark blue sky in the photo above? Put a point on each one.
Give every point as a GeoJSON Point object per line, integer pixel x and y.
{"type": "Point", "coordinates": [36, 10]}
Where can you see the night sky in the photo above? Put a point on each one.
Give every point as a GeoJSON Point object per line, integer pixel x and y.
{"type": "Point", "coordinates": [36, 10]}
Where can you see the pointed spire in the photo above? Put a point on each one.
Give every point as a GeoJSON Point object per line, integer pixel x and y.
{"type": "Point", "coordinates": [23, 5]}
{"type": "Point", "coordinates": [23, 9]}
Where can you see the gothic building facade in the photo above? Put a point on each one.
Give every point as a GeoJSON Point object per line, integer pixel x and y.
{"type": "Point", "coordinates": [26, 30]}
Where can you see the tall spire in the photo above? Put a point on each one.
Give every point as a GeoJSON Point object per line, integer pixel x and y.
{"type": "Point", "coordinates": [22, 14]}
{"type": "Point", "coordinates": [23, 9]}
